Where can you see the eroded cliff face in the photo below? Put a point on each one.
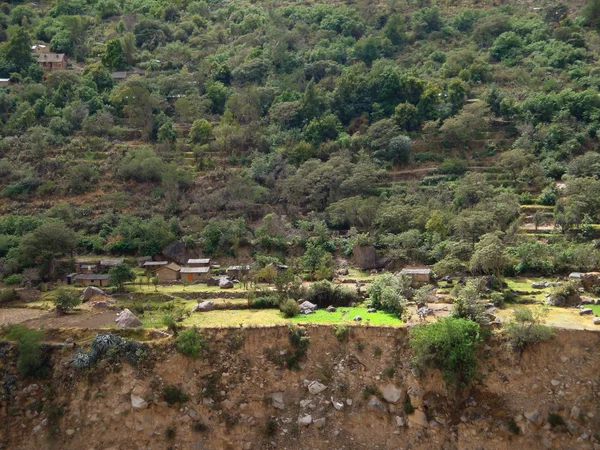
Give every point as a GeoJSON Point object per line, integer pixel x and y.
{"type": "Point", "coordinates": [345, 395]}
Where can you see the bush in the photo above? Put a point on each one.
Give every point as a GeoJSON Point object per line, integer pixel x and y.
{"type": "Point", "coordinates": [290, 308]}
{"type": "Point", "coordinates": [13, 280]}
{"type": "Point", "coordinates": [30, 362]}
{"type": "Point", "coordinates": [468, 304]}
{"type": "Point", "coordinates": [265, 302]}
{"type": "Point", "coordinates": [325, 293]}
{"type": "Point", "coordinates": [299, 341]}
{"type": "Point", "coordinates": [190, 342]}
{"type": "Point", "coordinates": [170, 433]}
{"type": "Point", "coordinates": [526, 329]}
{"type": "Point", "coordinates": [448, 345]}
{"type": "Point", "coordinates": [8, 295]}
{"type": "Point", "coordinates": [556, 420]}
{"type": "Point", "coordinates": [389, 293]}
{"type": "Point", "coordinates": [199, 427]}
{"type": "Point", "coordinates": [65, 300]}
{"type": "Point", "coordinates": [174, 394]}
{"type": "Point", "coordinates": [341, 332]}
{"type": "Point", "coordinates": [114, 348]}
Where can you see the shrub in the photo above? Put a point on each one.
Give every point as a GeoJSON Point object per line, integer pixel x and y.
{"type": "Point", "coordinates": [170, 432]}
{"type": "Point", "coordinates": [370, 390]}
{"type": "Point", "coordinates": [8, 295]}
{"type": "Point", "coordinates": [448, 345]}
{"type": "Point", "coordinates": [30, 362]}
{"type": "Point", "coordinates": [174, 394]}
{"type": "Point", "coordinates": [341, 332]}
{"type": "Point", "coordinates": [65, 300]}
{"type": "Point", "coordinates": [526, 329]}
{"type": "Point", "coordinates": [168, 320]}
{"type": "Point", "coordinates": [390, 292]}
{"type": "Point", "coordinates": [555, 420]}
{"type": "Point", "coordinates": [265, 302]}
{"type": "Point", "coordinates": [114, 348]}
{"type": "Point", "coordinates": [408, 407]}
{"type": "Point", "coordinates": [468, 304]}
{"type": "Point", "coordinates": [290, 308]}
{"type": "Point", "coordinates": [270, 427]}
{"type": "Point", "coordinates": [13, 280]}
{"type": "Point", "coordinates": [190, 342]}
{"type": "Point", "coordinates": [325, 293]}
{"type": "Point", "coordinates": [299, 341]}
{"type": "Point", "coordinates": [199, 426]}
{"type": "Point", "coordinates": [497, 298]}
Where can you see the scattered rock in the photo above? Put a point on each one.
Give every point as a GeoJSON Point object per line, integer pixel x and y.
{"type": "Point", "coordinates": [533, 416]}
{"type": "Point", "coordinates": [70, 432]}
{"type": "Point", "coordinates": [555, 382]}
{"type": "Point", "coordinates": [225, 283]}
{"type": "Point", "coordinates": [587, 301]}
{"type": "Point", "coordinates": [126, 319]}
{"type": "Point", "coordinates": [375, 405]}
{"type": "Point", "coordinates": [586, 311]}
{"type": "Point", "coordinates": [418, 418]}
{"type": "Point", "coordinates": [277, 400]}
{"type": "Point", "coordinates": [349, 401]}
{"type": "Point", "coordinates": [307, 307]}
{"type": "Point", "coordinates": [357, 318]}
{"type": "Point", "coordinates": [90, 292]}
{"type": "Point", "coordinates": [203, 306]}
{"type": "Point", "coordinates": [331, 309]}
{"type": "Point", "coordinates": [371, 310]}
{"type": "Point", "coordinates": [575, 412]}
{"type": "Point", "coordinates": [316, 388]}
{"type": "Point", "coordinates": [337, 405]}
{"type": "Point", "coordinates": [596, 320]}
{"type": "Point", "coordinates": [391, 393]}
{"type": "Point", "coordinates": [400, 422]}
{"type": "Point", "coordinates": [320, 423]}
{"type": "Point", "coordinates": [138, 402]}
{"type": "Point", "coordinates": [194, 414]}
{"type": "Point", "coordinates": [540, 284]}
{"type": "Point", "coordinates": [305, 421]}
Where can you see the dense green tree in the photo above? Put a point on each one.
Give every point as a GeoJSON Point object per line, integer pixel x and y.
{"type": "Point", "coordinates": [114, 57]}
{"type": "Point", "coordinates": [120, 274]}
{"type": "Point", "coordinates": [18, 49]}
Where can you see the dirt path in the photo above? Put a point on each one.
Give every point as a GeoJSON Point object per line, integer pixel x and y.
{"type": "Point", "coordinates": [73, 320]}
{"type": "Point", "coordinates": [18, 315]}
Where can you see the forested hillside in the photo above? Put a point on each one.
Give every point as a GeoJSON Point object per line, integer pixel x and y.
{"type": "Point", "coordinates": [463, 136]}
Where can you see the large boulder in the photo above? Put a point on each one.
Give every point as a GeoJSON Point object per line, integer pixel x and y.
{"type": "Point", "coordinates": [391, 393]}
{"type": "Point", "coordinates": [176, 251]}
{"type": "Point", "coordinates": [225, 283]}
{"type": "Point", "coordinates": [91, 291]}
{"type": "Point", "coordinates": [213, 281]}
{"type": "Point", "coordinates": [366, 257]}
{"type": "Point", "coordinates": [126, 319]}
{"type": "Point", "coordinates": [307, 307]}
{"type": "Point", "coordinates": [203, 306]}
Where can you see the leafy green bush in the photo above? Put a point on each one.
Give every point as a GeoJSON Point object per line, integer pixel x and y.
{"type": "Point", "coordinates": [469, 305]}
{"type": "Point", "coordinates": [30, 362]}
{"type": "Point", "coordinates": [526, 329]}
{"type": "Point", "coordinates": [8, 295]}
{"type": "Point", "coordinates": [390, 292]}
{"type": "Point", "coordinates": [265, 302]}
{"type": "Point", "coordinates": [65, 300]}
{"type": "Point", "coordinates": [448, 345]}
{"type": "Point", "coordinates": [174, 394]}
{"type": "Point", "coordinates": [199, 426]}
{"type": "Point", "coordinates": [114, 348]}
{"type": "Point", "coordinates": [13, 280]}
{"type": "Point", "coordinates": [290, 308]}
{"type": "Point", "coordinates": [190, 342]}
{"type": "Point", "coordinates": [555, 420]}
{"type": "Point", "coordinates": [324, 293]}
{"type": "Point", "coordinates": [299, 340]}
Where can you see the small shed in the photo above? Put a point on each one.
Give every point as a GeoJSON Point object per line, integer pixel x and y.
{"type": "Point", "coordinates": [169, 273]}
{"type": "Point", "coordinates": [419, 276]}
{"type": "Point", "coordinates": [95, 279]}
{"type": "Point", "coordinates": [191, 274]}
{"type": "Point", "coordinates": [203, 262]}
{"type": "Point", "coordinates": [5, 82]}
{"type": "Point", "coordinates": [71, 277]}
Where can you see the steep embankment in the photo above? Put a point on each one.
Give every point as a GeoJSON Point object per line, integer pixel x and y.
{"type": "Point", "coordinates": [245, 401]}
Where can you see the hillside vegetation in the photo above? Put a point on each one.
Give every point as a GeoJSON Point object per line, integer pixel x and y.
{"type": "Point", "coordinates": [444, 133]}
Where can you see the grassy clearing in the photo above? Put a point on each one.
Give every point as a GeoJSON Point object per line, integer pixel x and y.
{"type": "Point", "coordinates": [347, 314]}
{"type": "Point", "coordinates": [179, 288]}
{"type": "Point", "coordinates": [596, 309]}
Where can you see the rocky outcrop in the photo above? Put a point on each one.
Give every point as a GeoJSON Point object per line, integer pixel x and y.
{"type": "Point", "coordinates": [176, 251]}
{"type": "Point", "coordinates": [91, 291]}
{"type": "Point", "coordinates": [366, 257]}
{"type": "Point", "coordinates": [126, 319]}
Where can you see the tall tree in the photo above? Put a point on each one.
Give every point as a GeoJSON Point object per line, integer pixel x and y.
{"type": "Point", "coordinates": [18, 49]}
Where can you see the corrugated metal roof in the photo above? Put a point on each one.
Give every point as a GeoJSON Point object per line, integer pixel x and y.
{"type": "Point", "coordinates": [155, 263]}
{"type": "Point", "coordinates": [172, 266]}
{"type": "Point", "coordinates": [199, 261]}
{"type": "Point", "coordinates": [416, 271]}
{"type": "Point", "coordinates": [195, 269]}
{"type": "Point", "coordinates": [94, 276]}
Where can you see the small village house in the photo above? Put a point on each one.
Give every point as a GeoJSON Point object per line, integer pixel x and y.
{"type": "Point", "coordinates": [153, 266]}
{"type": "Point", "coordinates": [5, 82]}
{"type": "Point", "coordinates": [204, 262]}
{"type": "Point", "coordinates": [238, 272]}
{"type": "Point", "coordinates": [191, 274]}
{"type": "Point", "coordinates": [95, 279]}
{"type": "Point", "coordinates": [169, 273]}
{"type": "Point", "coordinates": [52, 61]}
{"type": "Point", "coordinates": [122, 75]}
{"type": "Point", "coordinates": [419, 276]}
{"type": "Point", "coordinates": [86, 267]}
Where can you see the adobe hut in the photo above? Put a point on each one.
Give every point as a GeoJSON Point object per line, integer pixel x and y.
{"type": "Point", "coordinates": [152, 266]}
{"type": "Point", "coordinates": [238, 272]}
{"type": "Point", "coordinates": [108, 263]}
{"type": "Point", "coordinates": [94, 279]}
{"type": "Point", "coordinates": [169, 273]}
{"type": "Point", "coordinates": [419, 277]}
{"type": "Point", "coordinates": [52, 61]}
{"type": "Point", "coordinates": [191, 274]}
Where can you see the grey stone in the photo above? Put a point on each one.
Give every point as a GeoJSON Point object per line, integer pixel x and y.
{"type": "Point", "coordinates": [126, 319]}
{"type": "Point", "coordinates": [596, 320]}
{"type": "Point", "coordinates": [90, 292]}
{"type": "Point", "coordinates": [305, 421]}
{"type": "Point", "coordinates": [357, 318]}
{"type": "Point", "coordinates": [277, 400]}
{"type": "Point", "coordinates": [391, 393]}
{"type": "Point", "coordinates": [371, 310]}
{"type": "Point", "coordinates": [375, 405]}
{"type": "Point", "coordinates": [225, 283]}
{"type": "Point", "coordinates": [316, 388]}
{"type": "Point", "coordinates": [307, 307]}
{"type": "Point", "coordinates": [70, 432]}
{"type": "Point", "coordinates": [555, 382]}
{"type": "Point", "coordinates": [540, 284]}
{"type": "Point", "coordinates": [203, 306]}
{"type": "Point", "coordinates": [193, 414]}
{"type": "Point", "coordinates": [533, 416]}
{"type": "Point", "coordinates": [586, 311]}
{"type": "Point", "coordinates": [331, 309]}
{"type": "Point", "coordinates": [575, 412]}
{"type": "Point", "coordinates": [138, 402]}
{"type": "Point", "coordinates": [337, 405]}
{"type": "Point", "coordinates": [400, 421]}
